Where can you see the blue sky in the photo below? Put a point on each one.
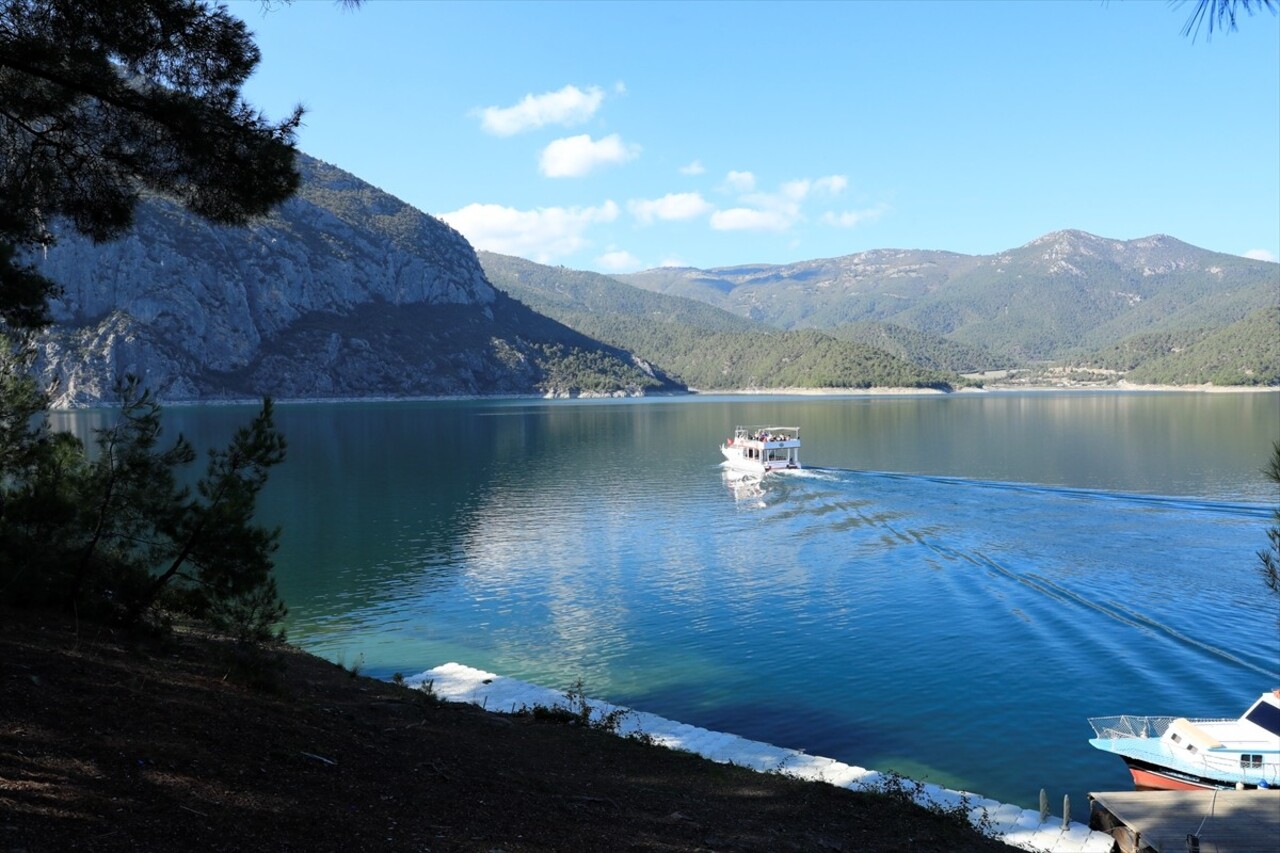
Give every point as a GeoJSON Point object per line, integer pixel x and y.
{"type": "Point", "coordinates": [616, 136]}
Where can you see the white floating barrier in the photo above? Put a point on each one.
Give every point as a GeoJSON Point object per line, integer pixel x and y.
{"type": "Point", "coordinates": [1018, 827]}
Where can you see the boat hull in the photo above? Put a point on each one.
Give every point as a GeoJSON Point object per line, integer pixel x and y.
{"type": "Point", "coordinates": [1152, 777]}
{"type": "Point", "coordinates": [734, 459]}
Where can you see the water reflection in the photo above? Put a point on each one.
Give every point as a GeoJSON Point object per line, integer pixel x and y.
{"type": "Point", "coordinates": [946, 553]}
{"type": "Point", "coordinates": [1139, 442]}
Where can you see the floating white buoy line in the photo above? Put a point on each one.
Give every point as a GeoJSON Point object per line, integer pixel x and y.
{"type": "Point", "coordinates": [1027, 829]}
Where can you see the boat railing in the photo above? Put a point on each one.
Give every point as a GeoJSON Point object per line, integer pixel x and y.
{"type": "Point", "coordinates": [772, 431]}
{"type": "Point", "coordinates": [1129, 726]}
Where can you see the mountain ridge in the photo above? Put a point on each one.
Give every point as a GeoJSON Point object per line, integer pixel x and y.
{"type": "Point", "coordinates": [703, 346]}
{"type": "Point", "coordinates": [1064, 292]}
{"type": "Point", "coordinates": [348, 292]}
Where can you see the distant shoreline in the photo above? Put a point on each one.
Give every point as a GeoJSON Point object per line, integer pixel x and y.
{"type": "Point", "coordinates": [1121, 387]}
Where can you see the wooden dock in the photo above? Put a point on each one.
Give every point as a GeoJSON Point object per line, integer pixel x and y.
{"type": "Point", "coordinates": [1168, 821]}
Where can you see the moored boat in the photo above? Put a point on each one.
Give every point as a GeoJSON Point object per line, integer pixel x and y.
{"type": "Point", "coordinates": [1176, 753]}
{"type": "Point", "coordinates": [761, 449]}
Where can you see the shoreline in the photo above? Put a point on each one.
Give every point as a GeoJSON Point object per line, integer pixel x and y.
{"type": "Point", "coordinates": [119, 743]}
{"type": "Point", "coordinates": [992, 388]}
{"type": "Point", "coordinates": [1013, 825]}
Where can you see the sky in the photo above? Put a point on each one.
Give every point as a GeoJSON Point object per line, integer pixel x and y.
{"type": "Point", "coordinates": [616, 136]}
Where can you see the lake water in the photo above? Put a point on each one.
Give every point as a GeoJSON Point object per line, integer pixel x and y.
{"type": "Point", "coordinates": [951, 587]}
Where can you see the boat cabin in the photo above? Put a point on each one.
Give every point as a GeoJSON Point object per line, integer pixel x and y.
{"type": "Point", "coordinates": [1173, 753]}
{"type": "Point", "coordinates": [760, 449]}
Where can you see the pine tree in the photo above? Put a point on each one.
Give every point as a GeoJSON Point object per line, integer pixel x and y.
{"type": "Point", "coordinates": [1220, 13]}
{"type": "Point", "coordinates": [100, 101]}
{"type": "Point", "coordinates": [130, 492]}
{"type": "Point", "coordinates": [216, 561]}
{"type": "Point", "coordinates": [1269, 557]}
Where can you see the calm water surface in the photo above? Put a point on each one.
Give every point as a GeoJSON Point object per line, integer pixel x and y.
{"type": "Point", "coordinates": [950, 590]}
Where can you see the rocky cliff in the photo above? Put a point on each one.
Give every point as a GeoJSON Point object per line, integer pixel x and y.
{"type": "Point", "coordinates": [345, 291]}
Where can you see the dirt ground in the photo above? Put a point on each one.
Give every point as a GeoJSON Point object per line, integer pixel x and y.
{"type": "Point", "coordinates": [112, 743]}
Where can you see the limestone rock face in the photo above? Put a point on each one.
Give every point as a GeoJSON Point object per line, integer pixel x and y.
{"type": "Point", "coordinates": [291, 305]}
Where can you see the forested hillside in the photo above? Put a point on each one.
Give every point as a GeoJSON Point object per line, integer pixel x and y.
{"type": "Point", "coordinates": [1244, 353]}
{"type": "Point", "coordinates": [929, 351]}
{"type": "Point", "coordinates": [1060, 295]}
{"type": "Point", "coordinates": [698, 345]}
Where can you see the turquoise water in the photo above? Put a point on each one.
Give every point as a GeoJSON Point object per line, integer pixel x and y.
{"type": "Point", "coordinates": [951, 587]}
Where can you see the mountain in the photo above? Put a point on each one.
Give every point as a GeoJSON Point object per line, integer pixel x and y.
{"type": "Point", "coordinates": [347, 292]}
{"type": "Point", "coordinates": [933, 352]}
{"type": "Point", "coordinates": [1244, 353]}
{"type": "Point", "coordinates": [1064, 293]}
{"type": "Point", "coordinates": [823, 293]}
{"type": "Point", "coordinates": [702, 346]}
{"type": "Point", "coordinates": [344, 291]}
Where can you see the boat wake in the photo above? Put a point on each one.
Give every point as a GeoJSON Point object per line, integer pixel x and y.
{"type": "Point", "coordinates": [1075, 559]}
{"type": "Point", "coordinates": [1255, 510]}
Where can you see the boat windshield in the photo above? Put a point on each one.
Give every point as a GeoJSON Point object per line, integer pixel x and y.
{"type": "Point", "coordinates": [1267, 716]}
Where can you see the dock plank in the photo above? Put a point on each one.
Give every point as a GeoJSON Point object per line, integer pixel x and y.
{"type": "Point", "coordinates": [1225, 821]}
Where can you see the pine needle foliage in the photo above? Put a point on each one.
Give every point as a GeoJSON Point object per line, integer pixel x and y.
{"type": "Point", "coordinates": [100, 101]}
{"type": "Point", "coordinates": [1269, 557]}
{"type": "Point", "coordinates": [116, 535]}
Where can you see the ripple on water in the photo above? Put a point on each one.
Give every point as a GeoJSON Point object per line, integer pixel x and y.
{"type": "Point", "coordinates": [965, 626]}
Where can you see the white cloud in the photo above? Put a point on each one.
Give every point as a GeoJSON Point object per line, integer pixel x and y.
{"type": "Point", "coordinates": [831, 184]}
{"type": "Point", "coordinates": [694, 168]}
{"type": "Point", "coordinates": [568, 106]}
{"type": "Point", "coordinates": [541, 235]}
{"type": "Point", "coordinates": [795, 191]}
{"type": "Point", "coordinates": [854, 218]}
{"type": "Point", "coordinates": [749, 219]}
{"type": "Point", "coordinates": [783, 208]}
{"type": "Point", "coordinates": [575, 156]}
{"type": "Point", "coordinates": [1260, 255]}
{"type": "Point", "coordinates": [799, 189]}
{"type": "Point", "coordinates": [618, 260]}
{"type": "Point", "coordinates": [669, 207]}
{"type": "Point", "coordinates": [673, 262]}
{"type": "Point", "coordinates": [743, 182]}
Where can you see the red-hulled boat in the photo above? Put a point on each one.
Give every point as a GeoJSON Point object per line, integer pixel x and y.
{"type": "Point", "coordinates": [1177, 753]}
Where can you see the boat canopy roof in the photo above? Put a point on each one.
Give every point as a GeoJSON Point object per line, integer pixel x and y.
{"type": "Point", "coordinates": [766, 433]}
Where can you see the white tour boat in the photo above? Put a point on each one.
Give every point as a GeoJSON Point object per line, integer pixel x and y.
{"type": "Point", "coordinates": [761, 449]}
{"type": "Point", "coordinates": [1175, 753]}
